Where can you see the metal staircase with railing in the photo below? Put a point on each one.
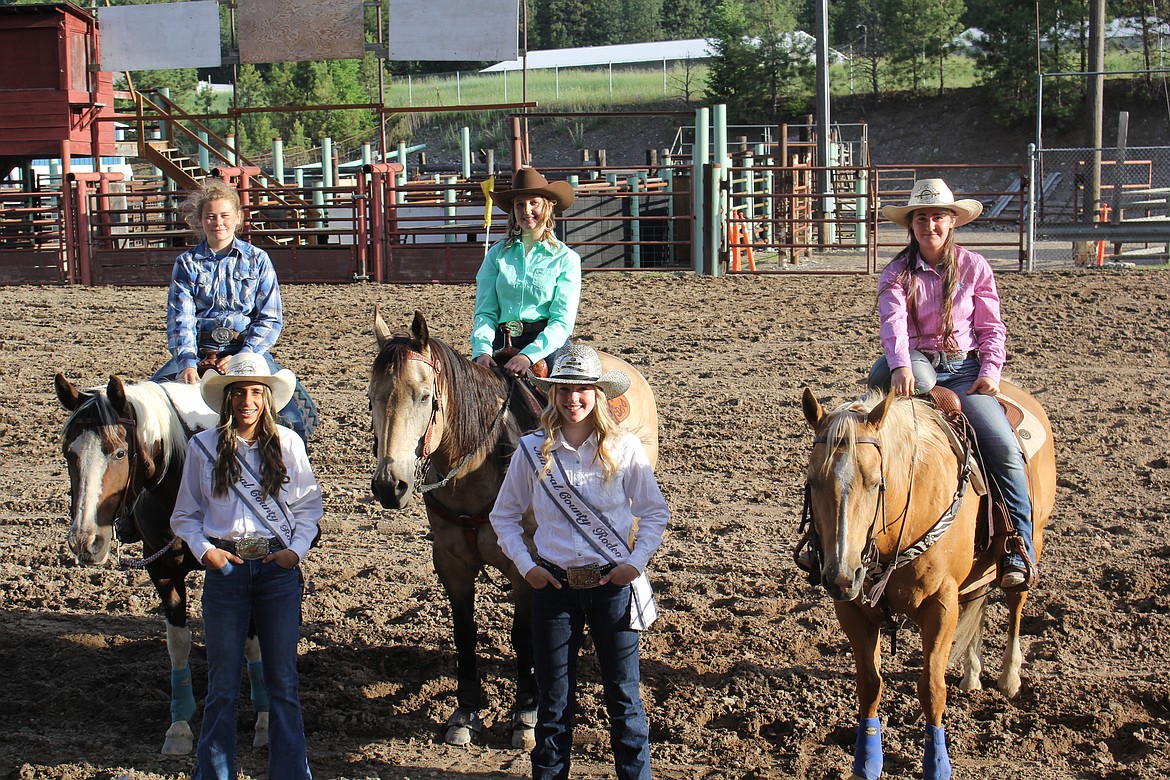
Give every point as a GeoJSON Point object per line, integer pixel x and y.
{"type": "Point", "coordinates": [155, 109]}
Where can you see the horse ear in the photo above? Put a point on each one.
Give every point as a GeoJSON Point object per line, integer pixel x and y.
{"type": "Point", "coordinates": [419, 329]}
{"type": "Point", "coordinates": [116, 392]}
{"type": "Point", "coordinates": [66, 393]}
{"type": "Point", "coordinates": [878, 414]}
{"type": "Point", "coordinates": [381, 332]}
{"type": "Point", "coordinates": [812, 408]}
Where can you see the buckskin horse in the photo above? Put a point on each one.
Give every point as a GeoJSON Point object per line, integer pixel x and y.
{"type": "Point", "coordinates": [446, 428]}
{"type": "Point", "coordinates": [125, 446]}
{"type": "Point", "coordinates": [895, 525]}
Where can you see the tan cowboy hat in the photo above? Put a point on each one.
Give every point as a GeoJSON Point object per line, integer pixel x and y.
{"type": "Point", "coordinates": [575, 364]}
{"type": "Point", "coordinates": [933, 193]}
{"type": "Point", "coordinates": [248, 367]}
{"type": "Point", "coordinates": [529, 182]}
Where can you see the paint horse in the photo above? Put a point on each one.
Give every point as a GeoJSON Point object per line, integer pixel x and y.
{"type": "Point", "coordinates": [889, 506]}
{"type": "Point", "coordinates": [125, 446]}
{"type": "Point", "coordinates": [446, 427]}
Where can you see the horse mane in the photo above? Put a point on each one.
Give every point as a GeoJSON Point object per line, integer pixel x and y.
{"type": "Point", "coordinates": [472, 410]}
{"type": "Point", "coordinates": [912, 428]}
{"type": "Point", "coordinates": [158, 424]}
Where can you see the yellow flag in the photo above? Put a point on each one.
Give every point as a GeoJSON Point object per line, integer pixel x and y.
{"type": "Point", "coordinates": [488, 186]}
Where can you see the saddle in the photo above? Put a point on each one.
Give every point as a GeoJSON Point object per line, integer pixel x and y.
{"type": "Point", "coordinates": [533, 396]}
{"type": "Point", "coordinates": [994, 531]}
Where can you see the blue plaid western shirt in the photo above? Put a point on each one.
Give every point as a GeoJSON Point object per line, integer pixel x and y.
{"type": "Point", "coordinates": [239, 292]}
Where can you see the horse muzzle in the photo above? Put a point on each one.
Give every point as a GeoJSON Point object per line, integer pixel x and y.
{"type": "Point", "coordinates": [842, 585]}
{"type": "Point", "coordinates": [391, 490]}
{"type": "Point", "coordinates": [89, 549]}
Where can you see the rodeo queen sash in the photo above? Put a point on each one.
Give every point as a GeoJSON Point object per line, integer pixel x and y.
{"type": "Point", "coordinates": [273, 514]}
{"type": "Point", "coordinates": [597, 530]}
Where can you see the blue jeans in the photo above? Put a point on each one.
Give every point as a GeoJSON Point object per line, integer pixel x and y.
{"type": "Point", "coordinates": [558, 627]}
{"type": "Point", "coordinates": [291, 414]}
{"type": "Point", "coordinates": [272, 595]}
{"type": "Point", "coordinates": [997, 444]}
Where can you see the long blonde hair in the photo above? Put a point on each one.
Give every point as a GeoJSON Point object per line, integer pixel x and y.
{"type": "Point", "coordinates": [604, 426]}
{"type": "Point", "coordinates": [273, 473]}
{"type": "Point", "coordinates": [543, 232]}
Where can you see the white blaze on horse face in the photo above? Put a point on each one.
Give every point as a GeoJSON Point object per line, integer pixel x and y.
{"type": "Point", "coordinates": [88, 540]}
{"type": "Point", "coordinates": [843, 476]}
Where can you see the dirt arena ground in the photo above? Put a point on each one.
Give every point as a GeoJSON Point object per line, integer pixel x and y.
{"type": "Point", "coordinates": [746, 674]}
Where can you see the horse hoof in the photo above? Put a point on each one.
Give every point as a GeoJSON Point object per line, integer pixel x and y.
{"type": "Point", "coordinates": [461, 725]}
{"type": "Point", "coordinates": [260, 738]}
{"type": "Point", "coordinates": [179, 739]}
{"type": "Point", "coordinates": [458, 735]}
{"type": "Point", "coordinates": [524, 737]}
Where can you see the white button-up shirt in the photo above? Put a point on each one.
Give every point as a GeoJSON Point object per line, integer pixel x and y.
{"type": "Point", "coordinates": [633, 492]}
{"type": "Point", "coordinates": [200, 515]}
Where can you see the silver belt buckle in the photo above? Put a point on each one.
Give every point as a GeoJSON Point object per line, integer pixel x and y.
{"type": "Point", "coordinates": [514, 328]}
{"type": "Point", "coordinates": [221, 335]}
{"type": "Point", "coordinates": [582, 577]}
{"type": "Point", "coordinates": [252, 548]}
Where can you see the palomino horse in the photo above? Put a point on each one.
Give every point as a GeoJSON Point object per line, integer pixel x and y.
{"type": "Point", "coordinates": [889, 505]}
{"type": "Point", "coordinates": [125, 446]}
{"type": "Point", "coordinates": [446, 427]}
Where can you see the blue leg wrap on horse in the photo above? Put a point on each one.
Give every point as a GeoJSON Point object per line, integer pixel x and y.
{"type": "Point", "coordinates": [936, 764]}
{"type": "Point", "coordinates": [182, 699]}
{"type": "Point", "coordinates": [259, 692]}
{"type": "Point", "coordinates": [867, 753]}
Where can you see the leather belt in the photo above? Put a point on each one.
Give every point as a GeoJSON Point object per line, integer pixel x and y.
{"type": "Point", "coordinates": [518, 328]}
{"type": "Point", "coordinates": [578, 577]}
{"type": "Point", "coordinates": [935, 358]}
{"type": "Point", "coordinates": [250, 548]}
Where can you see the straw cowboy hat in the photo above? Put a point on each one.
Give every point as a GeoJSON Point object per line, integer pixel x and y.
{"type": "Point", "coordinates": [527, 183]}
{"type": "Point", "coordinates": [248, 367]}
{"type": "Point", "coordinates": [933, 193]}
{"type": "Point", "coordinates": [575, 364]}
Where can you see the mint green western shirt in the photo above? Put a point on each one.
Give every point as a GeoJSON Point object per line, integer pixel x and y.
{"type": "Point", "coordinates": [544, 285]}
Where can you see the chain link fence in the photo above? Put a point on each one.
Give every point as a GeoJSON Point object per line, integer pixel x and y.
{"type": "Point", "coordinates": [1134, 202]}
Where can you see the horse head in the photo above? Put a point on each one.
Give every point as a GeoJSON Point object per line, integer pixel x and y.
{"type": "Point", "coordinates": [99, 445]}
{"type": "Point", "coordinates": [846, 488]}
{"type": "Point", "coordinates": [406, 407]}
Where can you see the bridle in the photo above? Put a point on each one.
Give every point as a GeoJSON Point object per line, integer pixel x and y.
{"type": "Point", "coordinates": [136, 483]}
{"type": "Point", "coordinates": [425, 443]}
{"type": "Point", "coordinates": [877, 571]}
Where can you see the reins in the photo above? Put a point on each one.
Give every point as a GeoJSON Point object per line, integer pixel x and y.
{"type": "Point", "coordinates": [876, 570]}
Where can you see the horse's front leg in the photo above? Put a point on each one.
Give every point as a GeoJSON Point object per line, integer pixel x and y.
{"type": "Point", "coordinates": [458, 580]}
{"type": "Point", "coordinates": [524, 713]}
{"type": "Point", "coordinates": [937, 618]}
{"type": "Point", "coordinates": [172, 589]}
{"type": "Point", "coordinates": [259, 691]}
{"type": "Point", "coordinates": [864, 641]}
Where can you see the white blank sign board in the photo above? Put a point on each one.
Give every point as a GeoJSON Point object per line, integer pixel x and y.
{"type": "Point", "coordinates": [160, 36]}
{"type": "Point", "coordinates": [454, 29]}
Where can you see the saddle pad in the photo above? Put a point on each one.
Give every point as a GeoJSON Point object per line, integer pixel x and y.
{"type": "Point", "coordinates": [1029, 430]}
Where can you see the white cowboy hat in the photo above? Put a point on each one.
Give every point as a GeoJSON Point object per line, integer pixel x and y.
{"type": "Point", "coordinates": [529, 182]}
{"type": "Point", "coordinates": [933, 193]}
{"type": "Point", "coordinates": [575, 364]}
{"type": "Point", "coordinates": [248, 367]}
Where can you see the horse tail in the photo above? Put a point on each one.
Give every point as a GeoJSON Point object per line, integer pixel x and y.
{"type": "Point", "coordinates": [967, 650]}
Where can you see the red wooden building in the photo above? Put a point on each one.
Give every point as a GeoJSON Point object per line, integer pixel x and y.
{"type": "Point", "coordinates": [51, 91]}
